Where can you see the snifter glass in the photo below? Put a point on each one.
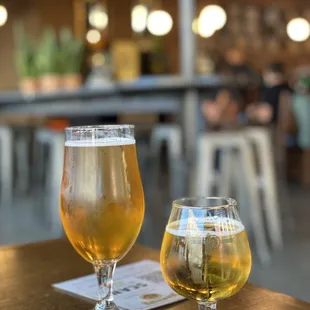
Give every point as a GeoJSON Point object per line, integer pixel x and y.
{"type": "Point", "coordinates": [205, 254]}
{"type": "Point", "coordinates": [102, 200]}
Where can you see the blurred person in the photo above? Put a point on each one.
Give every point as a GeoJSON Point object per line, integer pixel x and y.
{"type": "Point", "coordinates": [235, 65]}
{"type": "Point", "coordinates": [223, 110]}
{"type": "Point", "coordinates": [260, 113]}
{"type": "Point", "coordinates": [301, 109]}
{"type": "Point", "coordinates": [267, 109]}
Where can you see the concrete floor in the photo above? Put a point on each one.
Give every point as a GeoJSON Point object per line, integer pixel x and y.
{"type": "Point", "coordinates": [28, 219]}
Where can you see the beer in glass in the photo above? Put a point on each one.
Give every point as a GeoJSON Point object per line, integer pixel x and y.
{"type": "Point", "coordinates": [205, 254]}
{"type": "Point", "coordinates": [102, 200]}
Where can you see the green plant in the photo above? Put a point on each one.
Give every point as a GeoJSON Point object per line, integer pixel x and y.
{"type": "Point", "coordinates": [305, 82]}
{"type": "Point", "coordinates": [70, 53]}
{"type": "Point", "coordinates": [47, 58]}
{"type": "Point", "coordinates": [25, 52]}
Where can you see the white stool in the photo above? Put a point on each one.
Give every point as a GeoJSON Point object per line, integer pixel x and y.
{"type": "Point", "coordinates": [56, 142]}
{"type": "Point", "coordinates": [206, 178]}
{"type": "Point", "coordinates": [261, 139]}
{"type": "Point", "coordinates": [172, 135]}
{"type": "Point", "coordinates": [6, 162]}
{"type": "Point", "coordinates": [22, 146]}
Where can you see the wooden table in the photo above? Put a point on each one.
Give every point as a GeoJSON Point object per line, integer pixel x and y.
{"type": "Point", "coordinates": [27, 273]}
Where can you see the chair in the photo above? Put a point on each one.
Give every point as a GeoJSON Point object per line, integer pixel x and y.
{"type": "Point", "coordinates": [237, 168]}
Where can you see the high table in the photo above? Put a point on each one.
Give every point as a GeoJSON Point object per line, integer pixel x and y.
{"type": "Point", "coordinates": [28, 271]}
{"type": "Point", "coordinates": [163, 95]}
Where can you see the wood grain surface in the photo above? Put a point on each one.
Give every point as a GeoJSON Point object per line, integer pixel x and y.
{"type": "Point", "coordinates": [27, 273]}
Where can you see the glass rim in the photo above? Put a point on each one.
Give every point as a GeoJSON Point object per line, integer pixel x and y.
{"type": "Point", "coordinates": [100, 127]}
{"type": "Point", "coordinates": [180, 203]}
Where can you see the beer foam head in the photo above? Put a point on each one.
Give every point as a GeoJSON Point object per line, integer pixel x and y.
{"type": "Point", "coordinates": [203, 227]}
{"type": "Point", "coordinates": [100, 142]}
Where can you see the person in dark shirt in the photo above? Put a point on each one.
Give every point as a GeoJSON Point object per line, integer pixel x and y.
{"type": "Point", "coordinates": [234, 65]}
{"type": "Point", "coordinates": [267, 110]}
{"type": "Point", "coordinates": [275, 84]}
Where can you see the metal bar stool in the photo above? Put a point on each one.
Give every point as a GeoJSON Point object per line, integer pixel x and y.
{"type": "Point", "coordinates": [171, 134]}
{"type": "Point", "coordinates": [261, 139]}
{"type": "Point", "coordinates": [206, 178]}
{"type": "Point", "coordinates": [55, 140]}
{"type": "Point", "coordinates": [6, 162]}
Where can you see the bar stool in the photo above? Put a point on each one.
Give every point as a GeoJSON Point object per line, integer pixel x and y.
{"type": "Point", "coordinates": [261, 139]}
{"type": "Point", "coordinates": [6, 162]}
{"type": "Point", "coordinates": [206, 177]}
{"type": "Point", "coordinates": [22, 143]}
{"type": "Point", "coordinates": [172, 135]}
{"type": "Point", "coordinates": [55, 140]}
{"type": "Point", "coordinates": [17, 134]}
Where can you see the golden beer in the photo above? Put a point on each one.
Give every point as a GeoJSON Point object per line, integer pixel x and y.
{"type": "Point", "coordinates": [207, 260]}
{"type": "Point", "coordinates": [102, 200]}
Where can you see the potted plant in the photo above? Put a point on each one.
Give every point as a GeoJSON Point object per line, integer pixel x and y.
{"type": "Point", "coordinates": [47, 61]}
{"type": "Point", "coordinates": [70, 58]}
{"type": "Point", "coordinates": [25, 60]}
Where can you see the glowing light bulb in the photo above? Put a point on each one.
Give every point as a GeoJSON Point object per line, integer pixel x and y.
{"type": "Point", "coordinates": [98, 17]}
{"type": "Point", "coordinates": [298, 29]}
{"type": "Point", "coordinates": [195, 26]}
{"type": "Point", "coordinates": [3, 15]}
{"type": "Point", "coordinates": [206, 28]}
{"type": "Point", "coordinates": [213, 15]}
{"type": "Point", "coordinates": [93, 36]}
{"type": "Point", "coordinates": [139, 18]}
{"type": "Point", "coordinates": [159, 23]}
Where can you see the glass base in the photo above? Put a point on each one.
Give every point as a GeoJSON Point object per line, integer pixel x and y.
{"type": "Point", "coordinates": [107, 306]}
{"type": "Point", "coordinates": [207, 306]}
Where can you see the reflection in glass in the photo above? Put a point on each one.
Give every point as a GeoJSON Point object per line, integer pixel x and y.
{"type": "Point", "coordinates": [205, 253]}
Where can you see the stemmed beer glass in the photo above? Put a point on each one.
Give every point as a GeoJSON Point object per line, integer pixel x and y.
{"type": "Point", "coordinates": [205, 254]}
{"type": "Point", "coordinates": [102, 200]}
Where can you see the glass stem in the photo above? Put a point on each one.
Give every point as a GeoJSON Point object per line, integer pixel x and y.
{"type": "Point", "coordinates": [104, 274]}
{"type": "Point", "coordinates": [207, 305]}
